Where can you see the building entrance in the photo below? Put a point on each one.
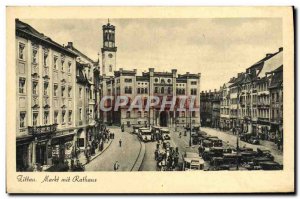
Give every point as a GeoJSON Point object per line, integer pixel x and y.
{"type": "Point", "coordinates": [163, 118]}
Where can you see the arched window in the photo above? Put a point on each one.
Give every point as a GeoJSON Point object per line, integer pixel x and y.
{"type": "Point", "coordinates": [146, 90]}
{"type": "Point", "coordinates": [162, 90]}
{"type": "Point", "coordinates": [169, 90]}
{"type": "Point", "coordinates": [142, 90]}
{"type": "Point", "coordinates": [162, 81]}
{"type": "Point", "coordinates": [183, 92]}
{"type": "Point", "coordinates": [156, 90]}
{"type": "Point", "coordinates": [139, 114]}
{"type": "Point", "coordinates": [138, 90]}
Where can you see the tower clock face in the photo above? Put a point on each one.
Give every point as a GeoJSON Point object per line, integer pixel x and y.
{"type": "Point", "coordinates": [110, 55]}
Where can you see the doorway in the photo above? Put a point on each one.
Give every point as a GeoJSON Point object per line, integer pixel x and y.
{"type": "Point", "coordinates": [163, 118]}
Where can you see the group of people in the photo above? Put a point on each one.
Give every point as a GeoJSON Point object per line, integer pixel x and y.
{"type": "Point", "coordinates": [167, 157]}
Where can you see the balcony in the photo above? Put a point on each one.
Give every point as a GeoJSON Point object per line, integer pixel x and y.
{"type": "Point", "coordinates": [37, 130]}
{"type": "Point", "coordinates": [263, 104]}
{"type": "Point", "coordinates": [263, 119]}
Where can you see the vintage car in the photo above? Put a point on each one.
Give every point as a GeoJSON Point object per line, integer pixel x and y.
{"type": "Point", "coordinates": [136, 127]}
{"type": "Point", "coordinates": [254, 140]}
{"type": "Point", "coordinates": [192, 162]}
{"type": "Point", "coordinates": [165, 133]}
{"type": "Point", "coordinates": [216, 142]}
{"type": "Point", "coordinates": [270, 165]}
{"type": "Point", "coordinates": [145, 134]}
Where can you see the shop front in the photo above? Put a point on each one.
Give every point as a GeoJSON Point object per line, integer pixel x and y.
{"type": "Point", "coordinates": [23, 155]}
{"type": "Point", "coordinates": [61, 147]}
{"type": "Point", "coordinates": [40, 153]}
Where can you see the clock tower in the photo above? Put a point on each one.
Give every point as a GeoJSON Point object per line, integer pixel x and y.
{"type": "Point", "coordinates": [108, 50]}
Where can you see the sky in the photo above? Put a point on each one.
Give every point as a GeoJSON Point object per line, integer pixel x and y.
{"type": "Point", "coordinates": [218, 48]}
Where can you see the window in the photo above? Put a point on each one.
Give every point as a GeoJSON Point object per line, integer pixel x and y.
{"type": "Point", "coordinates": [45, 88]}
{"type": "Point", "coordinates": [63, 113]}
{"type": "Point", "coordinates": [62, 91]}
{"type": "Point", "coordinates": [55, 87]}
{"type": "Point", "coordinates": [162, 90]}
{"type": "Point", "coordinates": [128, 80]}
{"type": "Point", "coordinates": [55, 62]}
{"type": "Point", "coordinates": [45, 58]}
{"type": "Point", "coordinates": [69, 67]}
{"type": "Point", "coordinates": [69, 91]}
{"type": "Point", "coordinates": [22, 119]}
{"type": "Point", "coordinates": [62, 64]}
{"type": "Point", "coordinates": [34, 56]}
{"type": "Point", "coordinates": [128, 114]}
{"type": "Point", "coordinates": [193, 83]}
{"type": "Point", "coordinates": [162, 81]}
{"type": "Point", "coordinates": [182, 114]}
{"type": "Point", "coordinates": [21, 51]}
{"type": "Point", "coordinates": [146, 90]}
{"type": "Point", "coordinates": [110, 68]}
{"type": "Point", "coordinates": [128, 90]}
{"type": "Point", "coordinates": [142, 90]}
{"type": "Point", "coordinates": [193, 114]}
{"type": "Point", "coordinates": [91, 94]}
{"type": "Point", "coordinates": [55, 117]}
{"type": "Point", "coordinates": [35, 88]}
{"type": "Point", "coordinates": [193, 91]}
{"type": "Point", "coordinates": [35, 119]}
{"type": "Point", "coordinates": [169, 81]}
{"type": "Point", "coordinates": [138, 90]}
{"type": "Point", "coordinates": [70, 117]}
{"type": "Point", "coordinates": [156, 90]}
{"type": "Point", "coordinates": [183, 91]}
{"type": "Point", "coordinates": [22, 85]}
{"type": "Point", "coordinates": [146, 114]}
{"type": "Point", "coordinates": [80, 92]}
{"type": "Point", "coordinates": [156, 80]}
{"type": "Point", "coordinates": [139, 114]}
{"type": "Point", "coordinates": [46, 116]}
{"type": "Point", "coordinates": [80, 114]}
{"type": "Point", "coordinates": [169, 90]}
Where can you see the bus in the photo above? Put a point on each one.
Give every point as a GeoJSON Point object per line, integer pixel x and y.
{"type": "Point", "coordinates": [145, 134]}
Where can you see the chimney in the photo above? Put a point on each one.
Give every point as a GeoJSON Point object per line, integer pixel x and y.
{"type": "Point", "coordinates": [280, 49]}
{"type": "Point", "coordinates": [70, 44]}
{"type": "Point", "coordinates": [268, 54]}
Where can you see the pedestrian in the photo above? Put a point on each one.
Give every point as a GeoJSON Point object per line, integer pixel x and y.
{"type": "Point", "coordinates": [120, 142]}
{"type": "Point", "coordinates": [116, 166]}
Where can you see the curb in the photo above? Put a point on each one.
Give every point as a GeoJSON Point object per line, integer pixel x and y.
{"type": "Point", "coordinates": [99, 153]}
{"type": "Point", "coordinates": [138, 162]}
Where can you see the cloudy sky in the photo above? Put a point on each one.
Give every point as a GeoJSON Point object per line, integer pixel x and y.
{"type": "Point", "coordinates": [217, 48]}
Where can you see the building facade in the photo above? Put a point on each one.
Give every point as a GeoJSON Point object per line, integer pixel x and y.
{"type": "Point", "coordinates": [87, 92]}
{"type": "Point", "coordinates": [45, 99]}
{"type": "Point", "coordinates": [120, 82]}
{"type": "Point", "coordinates": [210, 108]}
{"type": "Point", "coordinates": [252, 103]}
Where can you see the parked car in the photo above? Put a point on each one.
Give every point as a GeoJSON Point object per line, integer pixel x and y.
{"type": "Point", "coordinates": [254, 140]}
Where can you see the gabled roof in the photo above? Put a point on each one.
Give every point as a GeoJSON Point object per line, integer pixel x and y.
{"type": "Point", "coordinates": [25, 30]}
{"type": "Point", "coordinates": [277, 78]}
{"type": "Point", "coordinates": [238, 80]}
{"type": "Point", "coordinates": [79, 53]}
{"type": "Point", "coordinates": [271, 64]}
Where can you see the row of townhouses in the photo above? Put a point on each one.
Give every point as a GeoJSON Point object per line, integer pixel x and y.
{"type": "Point", "coordinates": [60, 90]}
{"type": "Point", "coordinates": [251, 102]}
{"type": "Point", "coordinates": [57, 93]}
